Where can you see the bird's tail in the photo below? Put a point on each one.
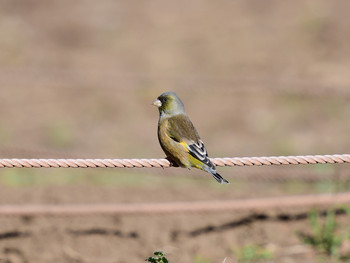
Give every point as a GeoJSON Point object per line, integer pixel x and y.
{"type": "Point", "coordinates": [219, 178]}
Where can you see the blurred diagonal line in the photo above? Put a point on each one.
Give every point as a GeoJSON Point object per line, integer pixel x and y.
{"type": "Point", "coordinates": [31, 152]}
{"type": "Point", "coordinates": [251, 205]}
{"type": "Point", "coordinates": [241, 84]}
{"type": "Point", "coordinates": [164, 163]}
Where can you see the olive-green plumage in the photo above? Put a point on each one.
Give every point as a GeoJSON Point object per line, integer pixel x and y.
{"type": "Point", "coordinates": [178, 137]}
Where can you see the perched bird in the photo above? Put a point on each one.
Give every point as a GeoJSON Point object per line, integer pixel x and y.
{"type": "Point", "coordinates": [178, 137]}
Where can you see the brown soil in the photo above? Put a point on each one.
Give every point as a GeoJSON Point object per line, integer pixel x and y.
{"type": "Point", "coordinates": [185, 237]}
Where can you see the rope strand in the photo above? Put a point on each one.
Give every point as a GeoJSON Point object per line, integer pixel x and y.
{"type": "Point", "coordinates": [164, 163]}
{"type": "Point", "coordinates": [248, 205]}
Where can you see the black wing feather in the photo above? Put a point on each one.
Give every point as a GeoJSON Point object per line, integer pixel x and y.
{"type": "Point", "coordinates": [198, 151]}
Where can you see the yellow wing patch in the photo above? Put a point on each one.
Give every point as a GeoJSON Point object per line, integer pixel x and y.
{"type": "Point", "coordinates": [185, 145]}
{"type": "Point", "coordinates": [195, 162]}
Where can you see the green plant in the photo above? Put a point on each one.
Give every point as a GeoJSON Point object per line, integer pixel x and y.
{"type": "Point", "coordinates": [324, 237]}
{"type": "Point", "coordinates": [159, 257]}
{"type": "Point", "coordinates": [251, 253]}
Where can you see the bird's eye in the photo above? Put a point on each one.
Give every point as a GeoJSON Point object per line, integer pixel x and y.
{"type": "Point", "coordinates": [165, 99]}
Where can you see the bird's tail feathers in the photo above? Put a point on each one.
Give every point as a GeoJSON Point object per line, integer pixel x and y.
{"type": "Point", "coordinates": [219, 178]}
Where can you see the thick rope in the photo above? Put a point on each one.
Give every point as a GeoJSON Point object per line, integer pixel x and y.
{"type": "Point", "coordinates": [251, 205]}
{"type": "Point", "coordinates": [164, 163]}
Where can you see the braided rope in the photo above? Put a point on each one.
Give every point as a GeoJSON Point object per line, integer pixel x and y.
{"type": "Point", "coordinates": [164, 163]}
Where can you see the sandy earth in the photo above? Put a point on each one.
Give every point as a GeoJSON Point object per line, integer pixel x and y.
{"type": "Point", "coordinates": [185, 237]}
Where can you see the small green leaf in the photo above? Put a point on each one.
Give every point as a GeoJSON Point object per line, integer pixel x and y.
{"type": "Point", "coordinates": [159, 254]}
{"type": "Point", "coordinates": [151, 259]}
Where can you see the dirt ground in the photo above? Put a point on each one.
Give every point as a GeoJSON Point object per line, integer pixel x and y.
{"type": "Point", "coordinates": [257, 79]}
{"type": "Point", "coordinates": [185, 237]}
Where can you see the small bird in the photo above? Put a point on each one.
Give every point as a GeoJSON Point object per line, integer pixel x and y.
{"type": "Point", "coordinates": [178, 137]}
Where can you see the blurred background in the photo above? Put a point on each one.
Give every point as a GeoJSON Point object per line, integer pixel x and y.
{"type": "Point", "coordinates": [257, 78]}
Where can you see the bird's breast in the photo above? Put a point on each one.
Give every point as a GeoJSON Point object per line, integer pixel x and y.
{"type": "Point", "coordinates": [173, 149]}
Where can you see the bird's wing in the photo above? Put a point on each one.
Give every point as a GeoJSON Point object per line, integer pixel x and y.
{"type": "Point", "coordinates": [182, 131]}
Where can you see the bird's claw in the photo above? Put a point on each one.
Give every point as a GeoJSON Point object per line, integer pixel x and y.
{"type": "Point", "coordinates": [172, 163]}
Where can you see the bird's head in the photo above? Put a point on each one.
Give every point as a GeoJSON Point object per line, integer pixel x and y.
{"type": "Point", "coordinates": [169, 104]}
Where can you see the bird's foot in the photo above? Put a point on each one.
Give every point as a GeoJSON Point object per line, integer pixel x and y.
{"type": "Point", "coordinates": [172, 163]}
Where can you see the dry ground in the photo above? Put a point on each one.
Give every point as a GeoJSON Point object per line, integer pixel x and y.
{"type": "Point", "coordinates": [185, 237]}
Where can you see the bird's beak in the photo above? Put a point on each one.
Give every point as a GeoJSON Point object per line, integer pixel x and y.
{"type": "Point", "coordinates": [157, 103]}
